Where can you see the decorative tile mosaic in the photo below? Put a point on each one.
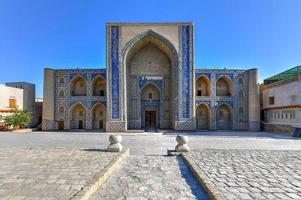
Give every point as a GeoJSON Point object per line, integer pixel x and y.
{"type": "Point", "coordinates": [185, 71]}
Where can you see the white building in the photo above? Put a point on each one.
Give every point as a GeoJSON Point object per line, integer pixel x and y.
{"type": "Point", "coordinates": [10, 99]}
{"type": "Point", "coordinates": [21, 96]}
{"type": "Point", "coordinates": [281, 102]}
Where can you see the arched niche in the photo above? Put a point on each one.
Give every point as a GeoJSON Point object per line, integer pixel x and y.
{"type": "Point", "coordinates": [78, 86]}
{"type": "Point", "coordinates": [202, 86]}
{"type": "Point", "coordinates": [224, 117]}
{"type": "Point", "coordinates": [99, 115]}
{"type": "Point", "coordinates": [99, 86]}
{"type": "Point", "coordinates": [202, 117]}
{"type": "Point", "coordinates": [150, 92]}
{"type": "Point", "coordinates": [77, 116]}
{"type": "Point", "coordinates": [224, 87]}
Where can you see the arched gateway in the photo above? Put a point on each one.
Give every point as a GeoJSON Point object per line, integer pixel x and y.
{"type": "Point", "coordinates": [151, 63]}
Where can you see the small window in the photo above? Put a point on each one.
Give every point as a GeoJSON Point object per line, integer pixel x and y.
{"type": "Point", "coordinates": [61, 93]}
{"type": "Point", "coordinates": [80, 113]}
{"type": "Point", "coordinates": [101, 113]}
{"type": "Point", "coordinates": [199, 92]}
{"type": "Point", "coordinates": [102, 93]}
{"type": "Point", "coordinates": [61, 110]}
{"type": "Point", "coordinates": [81, 84]}
{"type": "Point", "coordinates": [240, 93]}
{"type": "Point", "coordinates": [150, 95]}
{"type": "Point", "coordinates": [12, 103]}
{"type": "Point", "coordinates": [221, 113]}
{"type": "Point", "coordinates": [271, 100]}
{"type": "Point", "coordinates": [62, 81]}
{"type": "Point", "coordinates": [240, 81]}
{"type": "Point", "coordinates": [294, 114]}
{"type": "Point", "coordinates": [241, 109]}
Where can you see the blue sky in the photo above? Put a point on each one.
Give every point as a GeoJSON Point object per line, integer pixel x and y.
{"type": "Point", "coordinates": [35, 34]}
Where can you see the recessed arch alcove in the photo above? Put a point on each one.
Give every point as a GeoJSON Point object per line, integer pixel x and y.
{"type": "Point", "coordinates": [78, 86]}
{"type": "Point", "coordinates": [99, 114]}
{"type": "Point", "coordinates": [202, 117]}
{"type": "Point", "coordinates": [224, 117]}
{"type": "Point", "coordinates": [151, 57]}
{"type": "Point", "coordinates": [77, 116]}
{"type": "Point", "coordinates": [202, 86]}
{"type": "Point", "coordinates": [224, 86]}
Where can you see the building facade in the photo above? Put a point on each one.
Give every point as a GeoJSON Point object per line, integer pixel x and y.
{"type": "Point", "coordinates": [281, 101]}
{"type": "Point", "coordinates": [10, 99]}
{"type": "Point", "coordinates": [150, 82]}
{"type": "Point", "coordinates": [29, 103]}
{"type": "Point", "coordinates": [21, 96]}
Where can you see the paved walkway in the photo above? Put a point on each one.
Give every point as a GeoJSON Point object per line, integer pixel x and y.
{"type": "Point", "coordinates": [48, 174]}
{"type": "Point", "coordinates": [251, 165]}
{"type": "Point", "coordinates": [252, 174]}
{"type": "Point", "coordinates": [152, 177]}
{"type": "Point", "coordinates": [151, 144]}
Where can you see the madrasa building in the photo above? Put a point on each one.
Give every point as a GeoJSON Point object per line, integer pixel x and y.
{"type": "Point", "coordinates": [150, 82]}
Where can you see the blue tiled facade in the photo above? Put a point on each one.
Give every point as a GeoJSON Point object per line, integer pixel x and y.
{"type": "Point", "coordinates": [176, 110]}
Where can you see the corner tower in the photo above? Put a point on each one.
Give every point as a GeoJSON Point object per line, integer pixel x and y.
{"type": "Point", "coordinates": [150, 76]}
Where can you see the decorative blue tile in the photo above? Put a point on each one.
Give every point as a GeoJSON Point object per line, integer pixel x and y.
{"type": "Point", "coordinates": [199, 102]}
{"type": "Point", "coordinates": [115, 71]}
{"type": "Point", "coordinates": [218, 75]}
{"type": "Point", "coordinates": [145, 80]}
{"type": "Point", "coordinates": [95, 102]}
{"type": "Point", "coordinates": [72, 75]}
{"type": "Point", "coordinates": [102, 74]}
{"type": "Point", "coordinates": [185, 71]}
{"type": "Point", "coordinates": [230, 103]}
{"type": "Point", "coordinates": [198, 74]}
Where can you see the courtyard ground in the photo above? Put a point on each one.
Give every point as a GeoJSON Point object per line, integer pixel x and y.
{"type": "Point", "coordinates": [241, 165]}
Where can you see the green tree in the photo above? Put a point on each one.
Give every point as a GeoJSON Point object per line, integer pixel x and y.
{"type": "Point", "coordinates": [19, 119]}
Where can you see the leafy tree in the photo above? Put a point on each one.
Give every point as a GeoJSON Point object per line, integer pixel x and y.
{"type": "Point", "coordinates": [19, 119]}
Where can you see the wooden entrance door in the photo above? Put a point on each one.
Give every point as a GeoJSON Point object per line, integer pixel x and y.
{"type": "Point", "coordinates": [100, 124]}
{"type": "Point", "coordinates": [61, 125]}
{"type": "Point", "coordinates": [80, 124]}
{"type": "Point", "coordinates": [150, 119]}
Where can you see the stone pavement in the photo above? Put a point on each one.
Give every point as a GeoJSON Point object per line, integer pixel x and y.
{"type": "Point", "coordinates": [152, 144]}
{"type": "Point", "coordinates": [254, 158]}
{"type": "Point", "coordinates": [252, 174]}
{"type": "Point", "coordinates": [48, 174]}
{"type": "Point", "coordinates": [152, 177]}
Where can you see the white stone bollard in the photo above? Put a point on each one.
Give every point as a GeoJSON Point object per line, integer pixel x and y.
{"type": "Point", "coordinates": [182, 145]}
{"type": "Point", "coordinates": [115, 143]}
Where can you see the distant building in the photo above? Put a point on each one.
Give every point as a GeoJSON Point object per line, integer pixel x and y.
{"type": "Point", "coordinates": [10, 99]}
{"type": "Point", "coordinates": [25, 101]}
{"type": "Point", "coordinates": [150, 82]}
{"type": "Point", "coordinates": [281, 101]}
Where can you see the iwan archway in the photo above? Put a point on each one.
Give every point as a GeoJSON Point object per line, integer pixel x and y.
{"type": "Point", "coordinates": [150, 63]}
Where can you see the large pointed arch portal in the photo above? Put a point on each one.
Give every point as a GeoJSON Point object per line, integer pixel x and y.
{"type": "Point", "coordinates": [157, 56]}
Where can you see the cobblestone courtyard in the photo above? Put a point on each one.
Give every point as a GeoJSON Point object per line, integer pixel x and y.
{"type": "Point", "coordinates": [242, 165]}
{"type": "Point", "coordinates": [48, 174]}
{"type": "Point", "coordinates": [252, 174]}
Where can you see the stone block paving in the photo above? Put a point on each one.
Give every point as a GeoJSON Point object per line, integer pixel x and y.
{"type": "Point", "coordinates": [252, 174]}
{"type": "Point", "coordinates": [151, 177]}
{"type": "Point", "coordinates": [48, 174]}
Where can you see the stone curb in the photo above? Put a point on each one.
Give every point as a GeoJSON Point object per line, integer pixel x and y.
{"type": "Point", "coordinates": [101, 177]}
{"type": "Point", "coordinates": [213, 193]}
